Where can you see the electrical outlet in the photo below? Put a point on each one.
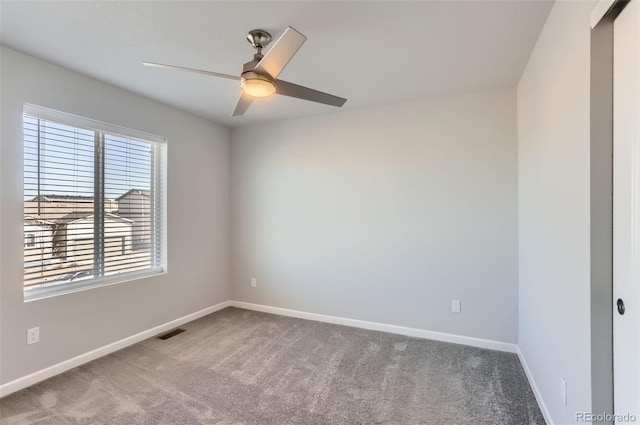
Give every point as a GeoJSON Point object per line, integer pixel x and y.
{"type": "Point", "coordinates": [455, 306]}
{"type": "Point", "coordinates": [563, 391]}
{"type": "Point", "coordinates": [33, 335]}
{"type": "Point", "coordinates": [254, 282]}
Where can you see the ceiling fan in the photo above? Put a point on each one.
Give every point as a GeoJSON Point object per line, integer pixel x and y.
{"type": "Point", "coordinates": [259, 77]}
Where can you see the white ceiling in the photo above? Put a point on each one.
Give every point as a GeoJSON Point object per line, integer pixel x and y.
{"type": "Point", "coordinates": [372, 53]}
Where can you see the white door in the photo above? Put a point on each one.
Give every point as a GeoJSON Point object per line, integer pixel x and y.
{"type": "Point", "coordinates": [626, 213]}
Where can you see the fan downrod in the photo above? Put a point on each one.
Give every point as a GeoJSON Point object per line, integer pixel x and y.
{"type": "Point", "coordinates": [259, 39]}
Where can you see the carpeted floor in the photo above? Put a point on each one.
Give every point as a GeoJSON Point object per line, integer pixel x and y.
{"type": "Point", "coordinates": [242, 367]}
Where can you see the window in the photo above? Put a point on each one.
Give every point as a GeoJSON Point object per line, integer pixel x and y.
{"type": "Point", "coordinates": [29, 240]}
{"type": "Point", "coordinates": [94, 203]}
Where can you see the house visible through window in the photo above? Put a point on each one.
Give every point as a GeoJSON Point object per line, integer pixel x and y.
{"type": "Point", "coordinates": [29, 239]}
{"type": "Point", "coordinates": [93, 203]}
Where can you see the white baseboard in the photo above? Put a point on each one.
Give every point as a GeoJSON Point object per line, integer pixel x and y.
{"type": "Point", "coordinates": [536, 391]}
{"type": "Point", "coordinates": [401, 330]}
{"type": "Point", "coordinates": [41, 375]}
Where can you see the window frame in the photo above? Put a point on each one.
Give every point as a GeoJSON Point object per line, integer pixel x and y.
{"type": "Point", "coordinates": [159, 186]}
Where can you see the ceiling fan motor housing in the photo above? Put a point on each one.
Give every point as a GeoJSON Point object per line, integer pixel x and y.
{"type": "Point", "coordinates": [251, 65]}
{"type": "Point", "coordinates": [250, 75]}
{"type": "Point", "coordinates": [248, 70]}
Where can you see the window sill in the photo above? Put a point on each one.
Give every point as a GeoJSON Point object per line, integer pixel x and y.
{"type": "Point", "coordinates": [68, 288]}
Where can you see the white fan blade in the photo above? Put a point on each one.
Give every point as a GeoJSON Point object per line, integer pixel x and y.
{"type": "Point", "coordinates": [281, 53]}
{"type": "Point", "coordinates": [293, 90]}
{"type": "Point", "coordinates": [243, 104]}
{"type": "Point", "coordinates": [199, 71]}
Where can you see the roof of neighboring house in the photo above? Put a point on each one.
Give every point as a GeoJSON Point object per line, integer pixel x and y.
{"type": "Point", "coordinates": [142, 192]}
{"type": "Point", "coordinates": [82, 216]}
{"type": "Point", "coordinates": [38, 221]}
{"type": "Point", "coordinates": [74, 216]}
{"type": "Point", "coordinates": [65, 198]}
{"type": "Point", "coordinates": [54, 197]}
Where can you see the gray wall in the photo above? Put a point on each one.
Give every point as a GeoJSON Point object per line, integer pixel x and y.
{"type": "Point", "coordinates": [385, 214]}
{"type": "Point", "coordinates": [198, 156]}
{"type": "Point", "coordinates": [554, 210]}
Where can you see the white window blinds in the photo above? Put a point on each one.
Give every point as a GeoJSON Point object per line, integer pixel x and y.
{"type": "Point", "coordinates": [93, 204]}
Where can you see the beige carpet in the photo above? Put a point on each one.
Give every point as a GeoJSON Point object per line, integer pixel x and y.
{"type": "Point", "coordinates": [241, 367]}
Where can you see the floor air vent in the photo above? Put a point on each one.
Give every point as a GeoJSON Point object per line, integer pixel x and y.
{"type": "Point", "coordinates": [171, 334]}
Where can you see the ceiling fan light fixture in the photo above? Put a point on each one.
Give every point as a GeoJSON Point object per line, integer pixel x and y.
{"type": "Point", "coordinates": [255, 87]}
